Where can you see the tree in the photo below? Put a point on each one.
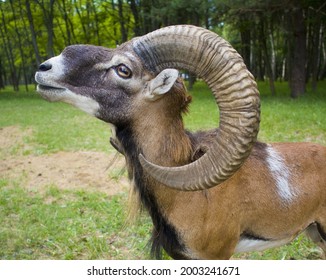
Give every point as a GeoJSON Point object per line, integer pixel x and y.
{"type": "Point", "coordinates": [32, 32]}
{"type": "Point", "coordinates": [20, 44]}
{"type": "Point", "coordinates": [2, 75]}
{"type": "Point", "coordinates": [266, 54]}
{"type": "Point", "coordinates": [315, 44]}
{"type": "Point", "coordinates": [5, 31]}
{"type": "Point", "coordinates": [48, 14]}
{"type": "Point", "coordinates": [297, 51]}
{"type": "Point", "coordinates": [279, 40]}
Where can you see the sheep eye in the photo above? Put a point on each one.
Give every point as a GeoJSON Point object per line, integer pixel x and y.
{"type": "Point", "coordinates": [123, 71]}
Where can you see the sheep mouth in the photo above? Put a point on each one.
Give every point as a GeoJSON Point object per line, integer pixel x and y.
{"type": "Point", "coordinates": [41, 87]}
{"type": "Point", "coordinates": [51, 93]}
{"type": "Point", "coordinates": [46, 84]}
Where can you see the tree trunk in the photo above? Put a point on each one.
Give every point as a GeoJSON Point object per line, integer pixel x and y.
{"type": "Point", "coordinates": [20, 45]}
{"type": "Point", "coordinates": [245, 34]}
{"type": "Point", "coordinates": [322, 71]}
{"type": "Point", "coordinates": [124, 36]}
{"type": "Point", "coordinates": [298, 53]}
{"type": "Point", "coordinates": [2, 83]}
{"type": "Point", "coordinates": [147, 19]}
{"type": "Point", "coordinates": [269, 69]}
{"type": "Point", "coordinates": [315, 52]}
{"type": "Point", "coordinates": [113, 5]}
{"type": "Point", "coordinates": [49, 26]}
{"type": "Point", "coordinates": [192, 81]}
{"type": "Point", "coordinates": [8, 47]}
{"type": "Point", "coordinates": [48, 13]}
{"type": "Point", "coordinates": [63, 9]}
{"type": "Point", "coordinates": [86, 36]}
{"type": "Point", "coordinates": [135, 13]}
{"type": "Point", "coordinates": [33, 33]}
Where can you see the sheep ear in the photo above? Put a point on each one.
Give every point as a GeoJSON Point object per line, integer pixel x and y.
{"type": "Point", "coordinates": [161, 84]}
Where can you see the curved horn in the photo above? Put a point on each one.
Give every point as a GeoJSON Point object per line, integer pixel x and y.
{"type": "Point", "coordinates": [214, 60]}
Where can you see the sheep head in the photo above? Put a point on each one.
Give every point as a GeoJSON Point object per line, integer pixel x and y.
{"type": "Point", "coordinates": [100, 81]}
{"type": "Point", "coordinates": [106, 82]}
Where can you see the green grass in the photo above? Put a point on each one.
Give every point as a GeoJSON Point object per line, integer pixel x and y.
{"type": "Point", "coordinates": [67, 225]}
{"type": "Point", "coordinates": [282, 118]}
{"type": "Point", "coordinates": [80, 224]}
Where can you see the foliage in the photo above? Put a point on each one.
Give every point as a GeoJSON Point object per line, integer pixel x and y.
{"type": "Point", "coordinates": [264, 32]}
{"type": "Point", "coordinates": [279, 40]}
{"type": "Point", "coordinates": [32, 31]}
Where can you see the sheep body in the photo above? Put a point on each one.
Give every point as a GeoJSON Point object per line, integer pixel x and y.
{"type": "Point", "coordinates": [211, 193]}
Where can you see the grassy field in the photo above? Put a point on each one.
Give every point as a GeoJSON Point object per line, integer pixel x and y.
{"type": "Point", "coordinates": [58, 222]}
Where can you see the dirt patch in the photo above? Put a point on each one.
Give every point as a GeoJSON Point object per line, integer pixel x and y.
{"type": "Point", "coordinates": [12, 140]}
{"type": "Point", "coordinates": [65, 170]}
{"type": "Point", "coordinates": [10, 135]}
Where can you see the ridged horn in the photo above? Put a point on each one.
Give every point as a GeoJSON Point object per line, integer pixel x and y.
{"type": "Point", "coordinates": [211, 58]}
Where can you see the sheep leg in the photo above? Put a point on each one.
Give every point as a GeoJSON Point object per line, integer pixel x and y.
{"type": "Point", "coordinates": [317, 234]}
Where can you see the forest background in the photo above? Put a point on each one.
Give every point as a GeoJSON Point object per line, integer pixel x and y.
{"type": "Point", "coordinates": [280, 40]}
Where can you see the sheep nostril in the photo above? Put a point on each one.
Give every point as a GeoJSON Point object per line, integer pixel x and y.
{"type": "Point", "coordinates": [45, 67]}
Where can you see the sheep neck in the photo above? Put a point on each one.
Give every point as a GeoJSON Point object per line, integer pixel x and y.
{"type": "Point", "coordinates": [160, 134]}
{"type": "Point", "coordinates": [164, 143]}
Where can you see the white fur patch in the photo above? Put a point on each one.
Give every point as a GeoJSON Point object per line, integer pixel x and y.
{"type": "Point", "coordinates": [248, 245]}
{"type": "Point", "coordinates": [83, 103]}
{"type": "Point", "coordinates": [57, 63]}
{"type": "Point", "coordinates": [281, 174]}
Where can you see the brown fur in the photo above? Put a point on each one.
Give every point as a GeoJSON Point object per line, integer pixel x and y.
{"type": "Point", "coordinates": [212, 222]}
{"type": "Point", "coordinates": [159, 126]}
